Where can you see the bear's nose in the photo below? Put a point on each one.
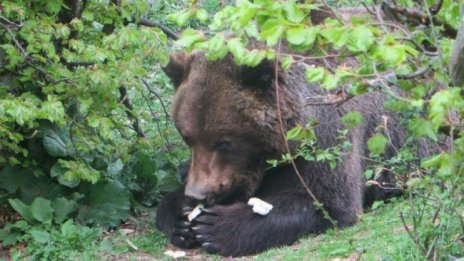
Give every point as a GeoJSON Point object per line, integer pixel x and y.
{"type": "Point", "coordinates": [195, 192]}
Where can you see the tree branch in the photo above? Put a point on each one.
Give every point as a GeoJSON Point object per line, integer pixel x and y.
{"type": "Point", "coordinates": [163, 28]}
{"type": "Point", "coordinates": [124, 98]}
{"type": "Point", "coordinates": [417, 16]}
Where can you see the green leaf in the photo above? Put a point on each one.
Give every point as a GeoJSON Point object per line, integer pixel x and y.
{"type": "Point", "coordinates": [167, 182]}
{"type": "Point", "coordinates": [315, 74]}
{"type": "Point", "coordinates": [27, 185]}
{"type": "Point", "coordinates": [22, 209]}
{"type": "Point", "coordinates": [254, 57]}
{"type": "Point", "coordinates": [201, 15]}
{"type": "Point", "coordinates": [188, 38]}
{"type": "Point", "coordinates": [42, 210]}
{"type": "Point", "coordinates": [63, 208]}
{"type": "Point", "coordinates": [286, 62]}
{"type": "Point", "coordinates": [352, 119]}
{"type": "Point", "coordinates": [422, 128]}
{"type": "Point", "coordinates": [145, 164]}
{"type": "Point", "coordinates": [10, 238]}
{"type": "Point", "coordinates": [296, 35]}
{"type": "Point", "coordinates": [216, 47]}
{"type": "Point", "coordinates": [182, 17]}
{"type": "Point", "coordinates": [107, 204]}
{"type": "Point", "coordinates": [368, 174]}
{"type": "Point", "coordinates": [54, 143]}
{"type": "Point", "coordinates": [68, 228]}
{"type": "Point", "coordinates": [300, 133]}
{"type": "Point", "coordinates": [337, 36]}
{"type": "Point", "coordinates": [271, 31]}
{"type": "Point", "coordinates": [360, 39]}
{"type": "Point", "coordinates": [441, 102]}
{"type": "Point", "coordinates": [236, 47]}
{"type": "Point", "coordinates": [59, 172]}
{"type": "Point", "coordinates": [377, 144]}
{"type": "Point", "coordinates": [330, 81]}
{"type": "Point", "coordinates": [293, 13]}
{"type": "Point", "coordinates": [40, 236]}
{"type": "Point", "coordinates": [246, 14]}
{"type": "Point", "coordinates": [114, 168]}
{"type": "Point", "coordinates": [54, 6]}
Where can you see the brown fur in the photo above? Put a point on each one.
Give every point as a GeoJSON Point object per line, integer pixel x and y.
{"type": "Point", "coordinates": [227, 115]}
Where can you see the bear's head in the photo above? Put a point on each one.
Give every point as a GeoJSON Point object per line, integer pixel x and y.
{"type": "Point", "coordinates": [226, 114]}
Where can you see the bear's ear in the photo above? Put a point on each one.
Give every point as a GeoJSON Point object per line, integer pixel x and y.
{"type": "Point", "coordinates": [260, 76]}
{"type": "Point", "coordinates": [178, 68]}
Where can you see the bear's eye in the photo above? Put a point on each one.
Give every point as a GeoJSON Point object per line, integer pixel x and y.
{"type": "Point", "coordinates": [222, 145]}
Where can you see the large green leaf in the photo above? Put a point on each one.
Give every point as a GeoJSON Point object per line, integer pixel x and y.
{"type": "Point", "coordinates": [145, 166]}
{"type": "Point", "coordinates": [42, 210]}
{"type": "Point", "coordinates": [361, 39]}
{"type": "Point", "coordinates": [55, 142]}
{"type": "Point", "coordinates": [27, 185]}
{"type": "Point", "coordinates": [22, 209]}
{"type": "Point", "coordinates": [63, 208]}
{"type": "Point", "coordinates": [107, 204]}
{"type": "Point", "coordinates": [9, 238]}
{"type": "Point", "coordinates": [271, 31]}
{"type": "Point", "coordinates": [40, 236]}
{"type": "Point", "coordinates": [293, 13]}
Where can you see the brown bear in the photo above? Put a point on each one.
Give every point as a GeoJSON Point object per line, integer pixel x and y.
{"type": "Point", "coordinates": [227, 114]}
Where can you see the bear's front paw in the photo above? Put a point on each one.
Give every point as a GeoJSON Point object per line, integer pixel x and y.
{"type": "Point", "coordinates": [216, 230]}
{"type": "Point", "coordinates": [183, 236]}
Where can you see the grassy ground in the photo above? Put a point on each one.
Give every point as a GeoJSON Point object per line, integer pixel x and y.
{"type": "Point", "coordinates": [378, 236]}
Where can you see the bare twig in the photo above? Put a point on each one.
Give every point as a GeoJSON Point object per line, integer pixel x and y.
{"type": "Point", "coordinates": [287, 146]}
{"type": "Point", "coordinates": [124, 98]}
{"type": "Point", "coordinates": [414, 238]}
{"type": "Point", "coordinates": [166, 113]}
{"type": "Point", "coordinates": [369, 11]}
{"type": "Point", "coordinates": [10, 23]}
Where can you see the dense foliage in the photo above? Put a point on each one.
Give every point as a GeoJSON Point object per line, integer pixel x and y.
{"type": "Point", "coordinates": [85, 132]}
{"type": "Point", "coordinates": [84, 120]}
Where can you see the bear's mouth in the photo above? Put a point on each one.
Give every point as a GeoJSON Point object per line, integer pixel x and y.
{"type": "Point", "coordinates": [238, 194]}
{"type": "Point", "coordinates": [244, 188]}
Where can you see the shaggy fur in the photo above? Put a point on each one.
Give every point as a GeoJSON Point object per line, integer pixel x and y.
{"type": "Point", "coordinates": [227, 115]}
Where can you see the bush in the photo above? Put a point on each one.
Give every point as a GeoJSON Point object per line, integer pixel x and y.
{"type": "Point", "coordinates": [84, 130]}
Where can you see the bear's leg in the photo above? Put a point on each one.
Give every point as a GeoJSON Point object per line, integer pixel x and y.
{"type": "Point", "coordinates": [171, 218]}
{"type": "Point", "coordinates": [235, 230]}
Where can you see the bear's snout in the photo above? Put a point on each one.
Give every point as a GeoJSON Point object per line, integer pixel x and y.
{"type": "Point", "coordinates": [196, 192]}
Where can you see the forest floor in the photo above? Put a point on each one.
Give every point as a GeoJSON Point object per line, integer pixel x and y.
{"type": "Point", "coordinates": [380, 235]}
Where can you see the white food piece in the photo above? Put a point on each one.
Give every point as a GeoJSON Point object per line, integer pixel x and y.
{"type": "Point", "coordinates": [175, 254]}
{"type": "Point", "coordinates": [195, 212]}
{"type": "Point", "coordinates": [259, 206]}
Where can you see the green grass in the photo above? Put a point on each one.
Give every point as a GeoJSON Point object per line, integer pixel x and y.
{"type": "Point", "coordinates": [379, 235]}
